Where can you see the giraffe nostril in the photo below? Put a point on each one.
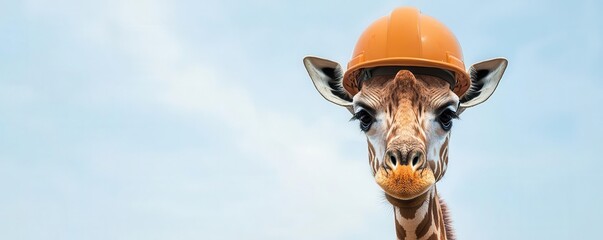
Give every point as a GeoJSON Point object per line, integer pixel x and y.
{"type": "Point", "coordinates": [393, 158]}
{"type": "Point", "coordinates": [416, 158]}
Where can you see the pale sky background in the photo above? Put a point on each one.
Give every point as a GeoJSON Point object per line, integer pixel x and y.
{"type": "Point", "coordinates": [196, 120]}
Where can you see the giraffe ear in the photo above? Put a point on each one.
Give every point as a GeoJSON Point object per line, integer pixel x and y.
{"type": "Point", "coordinates": [327, 76]}
{"type": "Point", "coordinates": [485, 77]}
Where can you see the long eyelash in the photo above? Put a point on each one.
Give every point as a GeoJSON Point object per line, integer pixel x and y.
{"type": "Point", "coordinates": [356, 116]}
{"type": "Point", "coordinates": [454, 115]}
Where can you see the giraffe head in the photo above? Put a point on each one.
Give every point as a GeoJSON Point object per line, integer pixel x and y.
{"type": "Point", "coordinates": [407, 115]}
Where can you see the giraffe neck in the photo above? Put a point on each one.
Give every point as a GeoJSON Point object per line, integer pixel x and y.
{"type": "Point", "coordinates": [420, 218]}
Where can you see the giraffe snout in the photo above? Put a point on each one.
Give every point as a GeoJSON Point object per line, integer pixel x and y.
{"type": "Point", "coordinates": [404, 174]}
{"type": "Point", "coordinates": [415, 158]}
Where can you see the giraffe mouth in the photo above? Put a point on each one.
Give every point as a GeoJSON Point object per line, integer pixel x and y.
{"type": "Point", "coordinates": [405, 182]}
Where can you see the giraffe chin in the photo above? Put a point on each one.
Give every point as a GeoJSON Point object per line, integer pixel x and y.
{"type": "Point", "coordinates": [404, 182]}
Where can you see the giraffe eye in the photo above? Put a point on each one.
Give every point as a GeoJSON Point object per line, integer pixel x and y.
{"type": "Point", "coordinates": [365, 119]}
{"type": "Point", "coordinates": [445, 119]}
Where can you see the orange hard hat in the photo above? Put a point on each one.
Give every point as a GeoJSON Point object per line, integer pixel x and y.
{"type": "Point", "coordinates": [407, 38]}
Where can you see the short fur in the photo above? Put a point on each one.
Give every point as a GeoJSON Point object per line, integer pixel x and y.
{"type": "Point", "coordinates": [447, 221]}
{"type": "Point", "coordinates": [408, 135]}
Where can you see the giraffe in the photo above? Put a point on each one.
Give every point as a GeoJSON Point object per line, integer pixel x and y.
{"type": "Point", "coordinates": [406, 114]}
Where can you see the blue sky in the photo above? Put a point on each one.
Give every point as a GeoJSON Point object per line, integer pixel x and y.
{"type": "Point", "coordinates": [196, 120]}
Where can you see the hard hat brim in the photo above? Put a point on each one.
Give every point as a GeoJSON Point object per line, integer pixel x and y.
{"type": "Point", "coordinates": [352, 86]}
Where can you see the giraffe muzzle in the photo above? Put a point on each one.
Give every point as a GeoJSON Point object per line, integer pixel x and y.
{"type": "Point", "coordinates": [404, 173]}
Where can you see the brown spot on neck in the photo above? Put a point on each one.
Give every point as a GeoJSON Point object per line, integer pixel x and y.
{"type": "Point", "coordinates": [436, 217]}
{"type": "Point", "coordinates": [408, 208]}
{"type": "Point", "coordinates": [433, 237]}
{"type": "Point", "coordinates": [400, 231]}
{"type": "Point", "coordinates": [428, 219]}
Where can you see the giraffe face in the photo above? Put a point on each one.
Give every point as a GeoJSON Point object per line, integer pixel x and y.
{"type": "Point", "coordinates": [406, 118]}
{"type": "Point", "coordinates": [407, 121]}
